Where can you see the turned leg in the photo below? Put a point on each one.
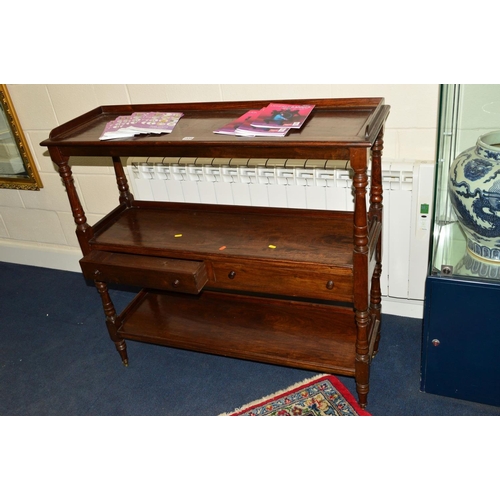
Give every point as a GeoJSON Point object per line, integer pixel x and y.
{"type": "Point", "coordinates": [363, 359]}
{"type": "Point", "coordinates": [121, 180]}
{"type": "Point", "coordinates": [376, 294]}
{"type": "Point", "coordinates": [359, 163]}
{"type": "Point", "coordinates": [111, 320]}
{"type": "Point", "coordinates": [84, 232]}
{"type": "Point", "coordinates": [376, 214]}
{"type": "Point", "coordinates": [375, 302]}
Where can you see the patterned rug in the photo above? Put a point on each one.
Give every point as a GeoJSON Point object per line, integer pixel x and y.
{"type": "Point", "coordinates": [320, 396]}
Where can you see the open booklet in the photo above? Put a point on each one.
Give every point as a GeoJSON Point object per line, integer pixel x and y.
{"type": "Point", "coordinates": [140, 123]}
{"type": "Point", "coordinates": [275, 120]}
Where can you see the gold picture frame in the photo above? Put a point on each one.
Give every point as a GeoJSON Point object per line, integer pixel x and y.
{"type": "Point", "coordinates": [17, 168]}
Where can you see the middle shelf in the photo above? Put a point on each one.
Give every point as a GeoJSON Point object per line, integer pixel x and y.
{"type": "Point", "coordinates": [292, 252]}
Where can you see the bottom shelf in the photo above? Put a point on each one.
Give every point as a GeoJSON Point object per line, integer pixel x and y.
{"type": "Point", "coordinates": [315, 337]}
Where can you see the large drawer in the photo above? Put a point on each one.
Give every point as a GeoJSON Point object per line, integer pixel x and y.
{"type": "Point", "coordinates": [147, 272]}
{"type": "Point", "coordinates": [319, 282]}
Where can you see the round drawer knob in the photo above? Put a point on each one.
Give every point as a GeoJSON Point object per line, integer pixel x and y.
{"type": "Point", "coordinates": [231, 275]}
{"type": "Point", "coordinates": [176, 283]}
{"type": "Point", "coordinates": [329, 285]}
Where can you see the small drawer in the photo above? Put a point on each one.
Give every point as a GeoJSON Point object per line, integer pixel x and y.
{"type": "Point", "coordinates": [293, 281]}
{"type": "Point", "coordinates": [147, 272]}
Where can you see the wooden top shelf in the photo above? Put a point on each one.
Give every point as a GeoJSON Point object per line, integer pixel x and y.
{"type": "Point", "coordinates": [334, 126]}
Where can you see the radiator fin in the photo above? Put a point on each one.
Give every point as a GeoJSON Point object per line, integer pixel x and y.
{"type": "Point", "coordinates": [310, 184]}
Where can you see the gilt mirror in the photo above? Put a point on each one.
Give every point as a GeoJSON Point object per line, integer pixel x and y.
{"type": "Point", "coordinates": [17, 168]}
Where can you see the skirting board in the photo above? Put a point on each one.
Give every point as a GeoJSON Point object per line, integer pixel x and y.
{"type": "Point", "coordinates": [40, 255]}
{"type": "Point", "coordinates": [67, 259]}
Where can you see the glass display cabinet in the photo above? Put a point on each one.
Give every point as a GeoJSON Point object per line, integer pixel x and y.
{"type": "Point", "coordinates": [461, 331]}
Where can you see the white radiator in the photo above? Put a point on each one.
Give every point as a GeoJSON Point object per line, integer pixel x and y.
{"type": "Point", "coordinates": [312, 184]}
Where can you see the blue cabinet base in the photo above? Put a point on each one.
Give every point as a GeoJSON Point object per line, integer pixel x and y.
{"type": "Point", "coordinates": [461, 340]}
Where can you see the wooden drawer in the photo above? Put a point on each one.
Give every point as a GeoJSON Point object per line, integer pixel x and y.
{"type": "Point", "coordinates": [316, 283]}
{"type": "Point", "coordinates": [147, 272]}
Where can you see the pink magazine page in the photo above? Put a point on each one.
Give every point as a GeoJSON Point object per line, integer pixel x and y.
{"type": "Point", "coordinates": [278, 115]}
{"type": "Point", "coordinates": [230, 128]}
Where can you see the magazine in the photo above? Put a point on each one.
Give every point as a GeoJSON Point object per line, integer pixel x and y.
{"type": "Point", "coordinates": [248, 130]}
{"type": "Point", "coordinates": [117, 128]}
{"type": "Point", "coordinates": [140, 123]}
{"type": "Point", "coordinates": [242, 127]}
{"type": "Point", "coordinates": [230, 128]}
{"type": "Point", "coordinates": [283, 115]}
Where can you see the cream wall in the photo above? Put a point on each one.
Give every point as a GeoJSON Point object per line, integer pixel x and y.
{"type": "Point", "coordinates": [37, 228]}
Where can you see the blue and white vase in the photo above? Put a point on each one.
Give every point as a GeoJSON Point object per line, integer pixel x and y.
{"type": "Point", "coordinates": [477, 268]}
{"type": "Point", "coordinates": [474, 187]}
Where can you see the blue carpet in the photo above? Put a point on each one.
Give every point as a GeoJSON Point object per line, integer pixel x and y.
{"type": "Point", "coordinates": [56, 358]}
